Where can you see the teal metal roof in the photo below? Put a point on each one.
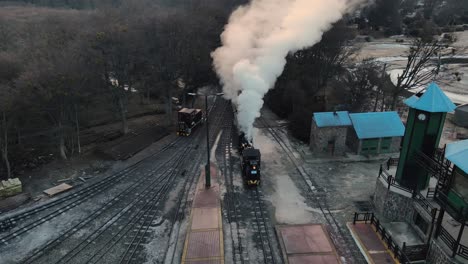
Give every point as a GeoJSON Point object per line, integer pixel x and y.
{"type": "Point", "coordinates": [377, 125]}
{"type": "Point", "coordinates": [433, 100]}
{"type": "Point", "coordinates": [457, 153]}
{"type": "Point", "coordinates": [331, 119]}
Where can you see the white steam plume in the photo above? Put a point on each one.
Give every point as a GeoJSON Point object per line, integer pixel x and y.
{"type": "Point", "coordinates": [257, 40]}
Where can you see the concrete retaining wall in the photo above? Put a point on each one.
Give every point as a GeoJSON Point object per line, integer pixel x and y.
{"type": "Point", "coordinates": [437, 255]}
{"type": "Point", "coordinates": [392, 205]}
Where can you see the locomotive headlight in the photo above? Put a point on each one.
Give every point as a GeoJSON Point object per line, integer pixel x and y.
{"type": "Point", "coordinates": [254, 167]}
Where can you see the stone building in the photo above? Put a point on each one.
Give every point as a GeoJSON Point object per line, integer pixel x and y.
{"type": "Point", "coordinates": [328, 132]}
{"type": "Point", "coordinates": [375, 133]}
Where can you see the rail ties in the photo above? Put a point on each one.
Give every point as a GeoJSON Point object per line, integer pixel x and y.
{"type": "Point", "coordinates": [81, 195]}
{"type": "Point", "coordinates": [150, 186]}
{"type": "Point", "coordinates": [231, 208]}
{"type": "Point", "coordinates": [316, 194]}
{"type": "Point", "coordinates": [262, 224]}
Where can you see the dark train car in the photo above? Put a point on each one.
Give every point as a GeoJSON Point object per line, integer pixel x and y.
{"type": "Point", "coordinates": [250, 163]}
{"type": "Point", "coordinates": [187, 120]}
{"type": "Point", "coordinates": [251, 160]}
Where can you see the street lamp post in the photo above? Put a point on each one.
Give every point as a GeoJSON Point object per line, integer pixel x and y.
{"type": "Point", "coordinates": [207, 166]}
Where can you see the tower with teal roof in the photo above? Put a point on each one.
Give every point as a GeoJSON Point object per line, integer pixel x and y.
{"type": "Point", "coordinates": [426, 118]}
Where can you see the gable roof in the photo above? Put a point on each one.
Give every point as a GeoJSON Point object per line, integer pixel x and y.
{"type": "Point", "coordinates": [377, 125]}
{"type": "Point", "coordinates": [457, 153]}
{"type": "Point", "coordinates": [331, 119]}
{"type": "Point", "coordinates": [433, 100]}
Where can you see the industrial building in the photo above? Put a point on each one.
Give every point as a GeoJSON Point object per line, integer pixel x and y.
{"type": "Point", "coordinates": [328, 132]}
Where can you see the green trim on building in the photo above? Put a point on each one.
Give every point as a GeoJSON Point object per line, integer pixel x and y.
{"type": "Point", "coordinates": [456, 200]}
{"type": "Point", "coordinates": [420, 135]}
{"type": "Point", "coordinates": [370, 146]}
{"type": "Point", "coordinates": [385, 145]}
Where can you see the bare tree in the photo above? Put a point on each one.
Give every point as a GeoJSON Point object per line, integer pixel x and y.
{"type": "Point", "coordinates": [9, 71]}
{"type": "Point", "coordinates": [421, 68]}
{"type": "Point", "coordinates": [362, 83]}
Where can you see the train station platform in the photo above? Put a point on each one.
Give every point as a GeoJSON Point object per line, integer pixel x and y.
{"type": "Point", "coordinates": [371, 245]}
{"type": "Point", "coordinates": [309, 243]}
{"type": "Point", "coordinates": [204, 240]}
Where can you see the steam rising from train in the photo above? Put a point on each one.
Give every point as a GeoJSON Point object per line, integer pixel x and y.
{"type": "Point", "coordinates": [257, 40]}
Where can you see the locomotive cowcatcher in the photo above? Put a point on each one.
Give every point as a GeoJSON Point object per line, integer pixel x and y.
{"type": "Point", "coordinates": [250, 164]}
{"type": "Point", "coordinates": [187, 120]}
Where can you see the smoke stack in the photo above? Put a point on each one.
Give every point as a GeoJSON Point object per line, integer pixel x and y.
{"type": "Point", "coordinates": [257, 40]}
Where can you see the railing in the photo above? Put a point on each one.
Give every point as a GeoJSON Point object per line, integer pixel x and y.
{"type": "Point", "coordinates": [426, 205]}
{"type": "Point", "coordinates": [458, 213]}
{"type": "Point", "coordinates": [416, 252]}
{"type": "Point", "coordinates": [463, 251]}
{"type": "Point", "coordinates": [430, 192]}
{"type": "Point", "coordinates": [456, 248]}
{"type": "Point", "coordinates": [392, 162]}
{"type": "Point", "coordinates": [427, 162]}
{"type": "Point", "coordinates": [437, 165]}
{"type": "Point", "coordinates": [449, 241]}
{"type": "Point", "coordinates": [363, 217]}
{"type": "Point", "coordinates": [390, 180]}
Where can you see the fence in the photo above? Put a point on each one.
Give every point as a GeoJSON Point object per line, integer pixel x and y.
{"type": "Point", "coordinates": [425, 204]}
{"type": "Point", "coordinates": [445, 236]}
{"type": "Point", "coordinates": [406, 254]}
{"type": "Point", "coordinates": [416, 252]}
{"type": "Point", "coordinates": [390, 180]}
{"type": "Point", "coordinates": [392, 162]}
{"type": "Point", "coordinates": [430, 192]}
{"type": "Point", "coordinates": [457, 249]}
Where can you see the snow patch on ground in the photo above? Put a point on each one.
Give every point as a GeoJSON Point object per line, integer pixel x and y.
{"type": "Point", "coordinates": [289, 204]}
{"type": "Point", "coordinates": [286, 198]}
{"type": "Point", "coordinates": [155, 249]}
{"type": "Point", "coordinates": [29, 242]}
{"type": "Point", "coordinates": [214, 147]}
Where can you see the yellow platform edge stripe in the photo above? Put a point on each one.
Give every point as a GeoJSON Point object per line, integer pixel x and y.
{"type": "Point", "coordinates": [368, 257]}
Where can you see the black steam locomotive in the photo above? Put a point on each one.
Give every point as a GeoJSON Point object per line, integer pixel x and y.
{"type": "Point", "coordinates": [250, 161]}
{"type": "Point", "coordinates": [187, 120]}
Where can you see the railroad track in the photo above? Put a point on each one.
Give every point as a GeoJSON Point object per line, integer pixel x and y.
{"type": "Point", "coordinates": [263, 232]}
{"type": "Point", "coordinates": [231, 204]}
{"type": "Point", "coordinates": [132, 232]}
{"type": "Point", "coordinates": [119, 228]}
{"type": "Point", "coordinates": [134, 194]}
{"type": "Point", "coordinates": [75, 198]}
{"type": "Point", "coordinates": [341, 238]}
{"type": "Point", "coordinates": [184, 202]}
